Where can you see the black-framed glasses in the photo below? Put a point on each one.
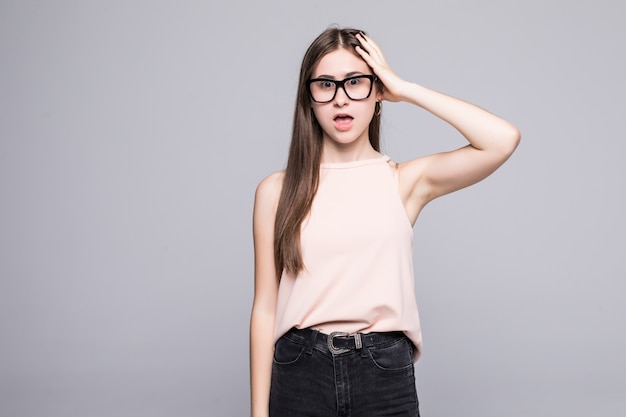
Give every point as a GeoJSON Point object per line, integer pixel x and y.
{"type": "Point", "coordinates": [357, 87]}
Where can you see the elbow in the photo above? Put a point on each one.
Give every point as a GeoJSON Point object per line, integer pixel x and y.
{"type": "Point", "coordinates": [516, 136]}
{"type": "Point", "coordinates": [510, 140]}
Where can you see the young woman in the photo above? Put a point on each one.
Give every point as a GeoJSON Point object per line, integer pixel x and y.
{"type": "Point", "coordinates": [334, 326]}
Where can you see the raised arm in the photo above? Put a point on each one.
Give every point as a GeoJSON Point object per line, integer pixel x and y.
{"type": "Point", "coordinates": [491, 139]}
{"type": "Point", "coordinates": [265, 294]}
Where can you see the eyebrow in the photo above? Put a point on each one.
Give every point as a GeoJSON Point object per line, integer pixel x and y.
{"type": "Point", "coordinates": [347, 75]}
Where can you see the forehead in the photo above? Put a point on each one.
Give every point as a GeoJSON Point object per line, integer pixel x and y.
{"type": "Point", "coordinates": [340, 62]}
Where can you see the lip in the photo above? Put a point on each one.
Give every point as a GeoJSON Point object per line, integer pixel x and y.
{"type": "Point", "coordinates": [343, 121]}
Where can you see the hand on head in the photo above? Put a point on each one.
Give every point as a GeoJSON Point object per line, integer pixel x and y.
{"type": "Point", "coordinates": [373, 56]}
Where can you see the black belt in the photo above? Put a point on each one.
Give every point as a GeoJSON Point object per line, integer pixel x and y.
{"type": "Point", "coordinates": [341, 342]}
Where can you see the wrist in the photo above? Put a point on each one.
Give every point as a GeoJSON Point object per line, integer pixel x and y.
{"type": "Point", "coordinates": [402, 91]}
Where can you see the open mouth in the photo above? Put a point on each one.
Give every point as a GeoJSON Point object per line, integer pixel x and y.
{"type": "Point", "coordinates": [343, 122]}
{"type": "Point", "coordinates": [343, 118]}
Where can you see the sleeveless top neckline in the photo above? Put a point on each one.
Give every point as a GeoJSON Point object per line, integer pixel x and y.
{"type": "Point", "coordinates": [354, 164]}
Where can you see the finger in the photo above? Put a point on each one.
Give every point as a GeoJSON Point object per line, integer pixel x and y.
{"type": "Point", "coordinates": [365, 55]}
{"type": "Point", "coordinates": [364, 42]}
{"type": "Point", "coordinates": [372, 61]}
{"type": "Point", "coordinates": [369, 44]}
{"type": "Point", "coordinates": [370, 57]}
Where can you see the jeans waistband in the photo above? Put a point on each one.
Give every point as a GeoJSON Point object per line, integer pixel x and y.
{"type": "Point", "coordinates": [339, 342]}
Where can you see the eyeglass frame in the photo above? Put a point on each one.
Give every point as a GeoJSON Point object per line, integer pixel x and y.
{"type": "Point", "coordinates": [341, 83]}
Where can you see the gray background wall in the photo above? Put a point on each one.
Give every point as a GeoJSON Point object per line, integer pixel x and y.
{"type": "Point", "coordinates": [133, 135]}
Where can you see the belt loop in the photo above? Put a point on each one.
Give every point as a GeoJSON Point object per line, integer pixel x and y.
{"type": "Point", "coordinates": [357, 341]}
{"type": "Point", "coordinates": [364, 352]}
{"type": "Point", "coordinates": [311, 342]}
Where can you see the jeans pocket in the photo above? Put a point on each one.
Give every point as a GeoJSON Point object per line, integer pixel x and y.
{"type": "Point", "coordinates": [393, 357]}
{"type": "Point", "coordinates": [287, 351]}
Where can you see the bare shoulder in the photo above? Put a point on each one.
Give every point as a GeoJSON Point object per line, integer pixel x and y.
{"type": "Point", "coordinates": [267, 195]}
{"type": "Point", "coordinates": [270, 187]}
{"type": "Point", "coordinates": [414, 166]}
{"type": "Point", "coordinates": [410, 173]}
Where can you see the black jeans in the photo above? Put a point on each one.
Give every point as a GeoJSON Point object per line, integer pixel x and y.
{"type": "Point", "coordinates": [370, 377]}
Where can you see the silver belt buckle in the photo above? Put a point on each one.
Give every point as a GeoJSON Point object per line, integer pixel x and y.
{"type": "Point", "coordinates": [329, 342]}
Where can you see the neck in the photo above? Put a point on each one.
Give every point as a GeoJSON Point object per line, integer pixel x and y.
{"type": "Point", "coordinates": [333, 152]}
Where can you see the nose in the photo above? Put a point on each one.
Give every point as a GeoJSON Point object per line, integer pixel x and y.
{"type": "Point", "coordinates": [341, 98]}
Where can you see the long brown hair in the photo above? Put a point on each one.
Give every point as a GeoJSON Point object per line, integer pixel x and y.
{"type": "Point", "coordinates": [303, 164]}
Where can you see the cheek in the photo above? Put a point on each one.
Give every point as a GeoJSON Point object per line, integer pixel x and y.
{"type": "Point", "coordinates": [319, 113]}
{"type": "Point", "coordinates": [369, 108]}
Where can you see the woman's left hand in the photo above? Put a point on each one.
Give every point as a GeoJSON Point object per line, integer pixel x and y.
{"type": "Point", "coordinates": [373, 56]}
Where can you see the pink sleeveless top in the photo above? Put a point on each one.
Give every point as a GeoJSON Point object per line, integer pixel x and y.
{"type": "Point", "coordinates": [357, 248]}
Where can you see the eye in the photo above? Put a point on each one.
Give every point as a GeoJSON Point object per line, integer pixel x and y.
{"type": "Point", "coordinates": [325, 84]}
{"type": "Point", "coordinates": [354, 81]}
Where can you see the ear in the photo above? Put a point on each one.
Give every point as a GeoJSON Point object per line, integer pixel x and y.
{"type": "Point", "coordinates": [379, 91]}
